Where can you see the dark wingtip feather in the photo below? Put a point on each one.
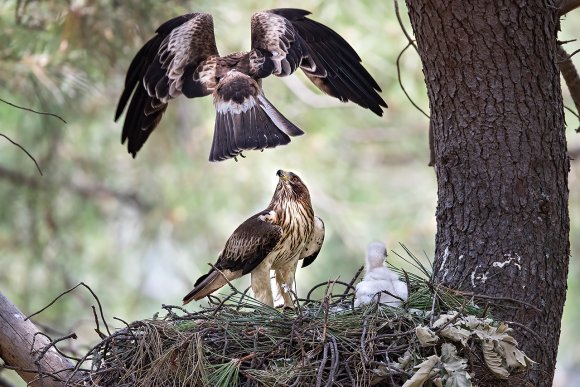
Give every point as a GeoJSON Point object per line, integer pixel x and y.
{"type": "Point", "coordinates": [346, 78]}
{"type": "Point", "coordinates": [291, 13]}
{"type": "Point", "coordinates": [308, 260]}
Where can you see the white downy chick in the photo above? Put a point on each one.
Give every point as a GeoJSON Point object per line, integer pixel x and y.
{"type": "Point", "coordinates": [379, 278]}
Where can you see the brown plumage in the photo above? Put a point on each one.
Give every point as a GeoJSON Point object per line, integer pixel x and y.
{"type": "Point", "coordinates": [274, 239]}
{"type": "Point", "coordinates": [182, 58]}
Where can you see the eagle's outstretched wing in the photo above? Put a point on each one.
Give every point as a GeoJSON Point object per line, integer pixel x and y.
{"type": "Point", "coordinates": [179, 59]}
{"type": "Point", "coordinates": [290, 40]}
{"type": "Point", "coordinates": [245, 249]}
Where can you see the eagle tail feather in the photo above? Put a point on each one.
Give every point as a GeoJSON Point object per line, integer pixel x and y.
{"type": "Point", "coordinates": [252, 124]}
{"type": "Point", "coordinates": [205, 285]}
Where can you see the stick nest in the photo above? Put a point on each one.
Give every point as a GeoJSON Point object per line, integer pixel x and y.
{"type": "Point", "coordinates": [237, 341]}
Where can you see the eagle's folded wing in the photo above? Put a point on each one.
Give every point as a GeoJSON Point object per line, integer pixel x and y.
{"type": "Point", "coordinates": [251, 242]}
{"type": "Point", "coordinates": [245, 249]}
{"type": "Point", "coordinates": [179, 59]}
{"type": "Point", "coordinates": [314, 244]}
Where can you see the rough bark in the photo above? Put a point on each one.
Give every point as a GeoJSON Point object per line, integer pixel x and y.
{"type": "Point", "coordinates": [21, 347]}
{"type": "Point", "coordinates": [500, 156]}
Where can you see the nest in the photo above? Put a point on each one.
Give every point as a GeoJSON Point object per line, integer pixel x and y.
{"type": "Point", "coordinates": [237, 341]}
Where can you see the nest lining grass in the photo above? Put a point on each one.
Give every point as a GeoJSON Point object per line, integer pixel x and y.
{"type": "Point", "coordinates": [237, 341]}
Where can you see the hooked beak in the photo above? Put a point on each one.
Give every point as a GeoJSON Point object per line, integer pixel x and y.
{"type": "Point", "coordinates": [283, 175]}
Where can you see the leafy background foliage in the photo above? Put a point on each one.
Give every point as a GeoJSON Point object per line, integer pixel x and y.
{"type": "Point", "coordinates": [139, 232]}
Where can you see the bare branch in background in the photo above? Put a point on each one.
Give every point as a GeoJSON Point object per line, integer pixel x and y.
{"type": "Point", "coordinates": [407, 35]}
{"type": "Point", "coordinates": [33, 111]}
{"type": "Point", "coordinates": [70, 290]}
{"type": "Point", "coordinates": [24, 150]}
{"type": "Point", "coordinates": [91, 191]}
{"type": "Point", "coordinates": [401, 82]}
{"type": "Point", "coordinates": [412, 43]}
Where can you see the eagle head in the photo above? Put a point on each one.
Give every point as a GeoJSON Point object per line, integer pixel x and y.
{"type": "Point", "coordinates": [291, 187]}
{"type": "Point", "coordinates": [376, 254]}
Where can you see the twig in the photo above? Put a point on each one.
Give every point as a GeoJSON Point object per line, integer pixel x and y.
{"type": "Point", "coordinates": [68, 291]}
{"type": "Point", "coordinates": [390, 373]}
{"type": "Point", "coordinates": [321, 367]}
{"type": "Point", "coordinates": [85, 357]}
{"type": "Point", "coordinates": [52, 343]}
{"type": "Point", "coordinates": [497, 298]}
{"type": "Point", "coordinates": [451, 320]}
{"type": "Point", "coordinates": [24, 150]}
{"type": "Point", "coordinates": [411, 43]}
{"type": "Point", "coordinates": [398, 14]}
{"type": "Point", "coordinates": [539, 340]}
{"type": "Point", "coordinates": [570, 56]}
{"type": "Point", "coordinates": [570, 74]}
{"type": "Point", "coordinates": [244, 295]}
{"type": "Point", "coordinates": [308, 298]}
{"type": "Point", "coordinates": [33, 111]}
{"type": "Point", "coordinates": [169, 308]}
{"type": "Point", "coordinates": [127, 326]}
{"type": "Point", "coordinates": [351, 283]}
{"type": "Point", "coordinates": [98, 328]}
{"type": "Point", "coordinates": [363, 340]}
{"type": "Point", "coordinates": [433, 307]}
{"type": "Point", "coordinates": [334, 361]}
{"type": "Point", "coordinates": [401, 81]}
{"type": "Point", "coordinates": [572, 111]}
{"type": "Point", "coordinates": [36, 371]}
{"type": "Point", "coordinates": [391, 335]}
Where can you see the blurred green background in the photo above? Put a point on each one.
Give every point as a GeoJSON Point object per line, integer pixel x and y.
{"type": "Point", "coordinates": [140, 231]}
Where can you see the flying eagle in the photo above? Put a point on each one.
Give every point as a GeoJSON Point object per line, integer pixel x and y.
{"type": "Point", "coordinates": [182, 58]}
{"type": "Point", "coordinates": [379, 279]}
{"type": "Point", "coordinates": [274, 239]}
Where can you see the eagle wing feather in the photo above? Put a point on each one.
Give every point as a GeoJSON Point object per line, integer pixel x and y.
{"type": "Point", "coordinates": [290, 40]}
{"type": "Point", "coordinates": [179, 59]}
{"type": "Point", "coordinates": [314, 244]}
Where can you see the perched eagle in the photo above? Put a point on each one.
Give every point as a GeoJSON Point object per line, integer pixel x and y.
{"type": "Point", "coordinates": [182, 58]}
{"type": "Point", "coordinates": [275, 239]}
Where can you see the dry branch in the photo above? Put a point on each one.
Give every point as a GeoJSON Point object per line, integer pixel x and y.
{"type": "Point", "coordinates": [30, 354]}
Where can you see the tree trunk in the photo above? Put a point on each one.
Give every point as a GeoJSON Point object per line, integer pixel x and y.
{"type": "Point", "coordinates": [21, 347]}
{"type": "Point", "coordinates": [500, 158]}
